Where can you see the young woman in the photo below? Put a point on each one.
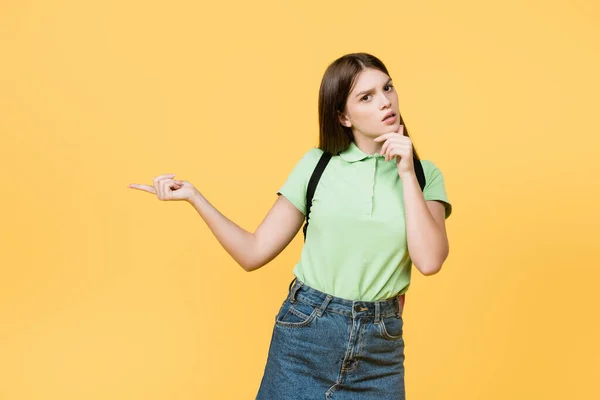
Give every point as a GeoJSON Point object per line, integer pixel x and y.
{"type": "Point", "coordinates": [338, 333]}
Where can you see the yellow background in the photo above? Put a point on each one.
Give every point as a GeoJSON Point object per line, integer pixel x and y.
{"type": "Point", "coordinates": [108, 293]}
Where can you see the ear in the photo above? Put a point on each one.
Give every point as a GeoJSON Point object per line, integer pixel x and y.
{"type": "Point", "coordinates": [344, 120]}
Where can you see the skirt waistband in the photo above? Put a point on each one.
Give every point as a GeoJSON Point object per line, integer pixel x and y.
{"type": "Point", "coordinates": [299, 291]}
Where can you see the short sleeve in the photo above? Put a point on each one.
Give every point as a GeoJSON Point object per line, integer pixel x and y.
{"type": "Point", "coordinates": [294, 188]}
{"type": "Point", "coordinates": [435, 188]}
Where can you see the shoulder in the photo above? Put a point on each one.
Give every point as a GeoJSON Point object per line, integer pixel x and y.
{"type": "Point", "coordinates": [434, 179]}
{"type": "Point", "coordinates": [310, 158]}
{"type": "Point", "coordinates": [430, 168]}
{"type": "Point", "coordinates": [435, 187]}
{"type": "Point", "coordinates": [428, 165]}
{"type": "Point", "coordinates": [313, 154]}
{"type": "Point", "coordinates": [295, 186]}
{"type": "Point", "coordinates": [305, 165]}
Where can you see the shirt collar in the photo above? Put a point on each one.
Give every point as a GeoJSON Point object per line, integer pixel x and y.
{"type": "Point", "coordinates": [353, 154]}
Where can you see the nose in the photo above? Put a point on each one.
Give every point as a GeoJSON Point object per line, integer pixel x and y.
{"type": "Point", "coordinates": [385, 102]}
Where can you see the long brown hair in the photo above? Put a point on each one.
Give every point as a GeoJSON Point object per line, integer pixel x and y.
{"type": "Point", "coordinates": [337, 82]}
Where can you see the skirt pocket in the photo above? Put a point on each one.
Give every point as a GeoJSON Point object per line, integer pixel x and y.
{"type": "Point", "coordinates": [391, 327]}
{"type": "Point", "coordinates": [295, 315]}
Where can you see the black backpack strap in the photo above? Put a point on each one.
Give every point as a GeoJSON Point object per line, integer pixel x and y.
{"type": "Point", "coordinates": [420, 173]}
{"type": "Point", "coordinates": [312, 185]}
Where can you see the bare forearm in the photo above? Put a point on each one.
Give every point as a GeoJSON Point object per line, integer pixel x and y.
{"type": "Point", "coordinates": [427, 243]}
{"type": "Point", "coordinates": [239, 243]}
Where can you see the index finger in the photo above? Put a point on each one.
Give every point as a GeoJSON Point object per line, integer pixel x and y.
{"type": "Point", "coordinates": [145, 188]}
{"type": "Point", "coordinates": [384, 136]}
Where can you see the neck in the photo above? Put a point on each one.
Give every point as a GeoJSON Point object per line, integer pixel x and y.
{"type": "Point", "coordinates": [366, 144]}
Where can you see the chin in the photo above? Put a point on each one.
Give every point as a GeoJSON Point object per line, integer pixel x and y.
{"type": "Point", "coordinates": [391, 128]}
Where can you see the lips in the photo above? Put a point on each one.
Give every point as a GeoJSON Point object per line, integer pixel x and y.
{"type": "Point", "coordinates": [388, 115]}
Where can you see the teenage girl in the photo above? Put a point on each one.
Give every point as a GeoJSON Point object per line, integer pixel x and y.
{"type": "Point", "coordinates": [338, 333]}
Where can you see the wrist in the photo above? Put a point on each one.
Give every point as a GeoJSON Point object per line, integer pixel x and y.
{"type": "Point", "coordinates": [407, 175]}
{"type": "Point", "coordinates": [195, 198]}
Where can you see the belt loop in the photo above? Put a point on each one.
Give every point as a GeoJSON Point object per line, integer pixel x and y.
{"type": "Point", "coordinates": [377, 312]}
{"type": "Point", "coordinates": [323, 306]}
{"type": "Point", "coordinates": [291, 283]}
{"type": "Point", "coordinates": [400, 305]}
{"type": "Point", "coordinates": [295, 290]}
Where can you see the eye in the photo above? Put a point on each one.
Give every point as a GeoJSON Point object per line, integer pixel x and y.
{"type": "Point", "coordinates": [390, 86]}
{"type": "Point", "coordinates": [363, 98]}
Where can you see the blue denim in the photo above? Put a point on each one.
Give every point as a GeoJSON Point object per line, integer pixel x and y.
{"type": "Point", "coordinates": [326, 347]}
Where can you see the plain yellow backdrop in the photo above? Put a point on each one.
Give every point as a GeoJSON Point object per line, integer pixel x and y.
{"type": "Point", "coordinates": [108, 293]}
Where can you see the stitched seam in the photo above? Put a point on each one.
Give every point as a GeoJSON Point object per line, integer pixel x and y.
{"type": "Point", "coordinates": [385, 333]}
{"type": "Point", "coordinates": [345, 312]}
{"type": "Point", "coordinates": [297, 324]}
{"type": "Point", "coordinates": [341, 374]}
{"type": "Point", "coordinates": [361, 342]}
{"type": "Point", "coordinates": [299, 314]}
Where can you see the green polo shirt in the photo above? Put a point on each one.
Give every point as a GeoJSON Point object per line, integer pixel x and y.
{"type": "Point", "coordinates": [356, 244]}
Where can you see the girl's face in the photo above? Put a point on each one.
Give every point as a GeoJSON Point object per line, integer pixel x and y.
{"type": "Point", "coordinates": [371, 99]}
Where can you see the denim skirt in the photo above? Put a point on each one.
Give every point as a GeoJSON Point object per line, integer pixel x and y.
{"type": "Point", "coordinates": [326, 347]}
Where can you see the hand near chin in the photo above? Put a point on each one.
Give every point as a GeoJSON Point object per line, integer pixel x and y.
{"type": "Point", "coordinates": [399, 146]}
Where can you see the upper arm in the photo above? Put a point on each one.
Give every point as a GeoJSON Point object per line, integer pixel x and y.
{"type": "Point", "coordinates": [276, 231]}
{"type": "Point", "coordinates": [438, 212]}
{"type": "Point", "coordinates": [285, 218]}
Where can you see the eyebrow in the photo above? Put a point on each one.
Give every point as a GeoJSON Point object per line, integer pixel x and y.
{"type": "Point", "coordinates": [367, 91]}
